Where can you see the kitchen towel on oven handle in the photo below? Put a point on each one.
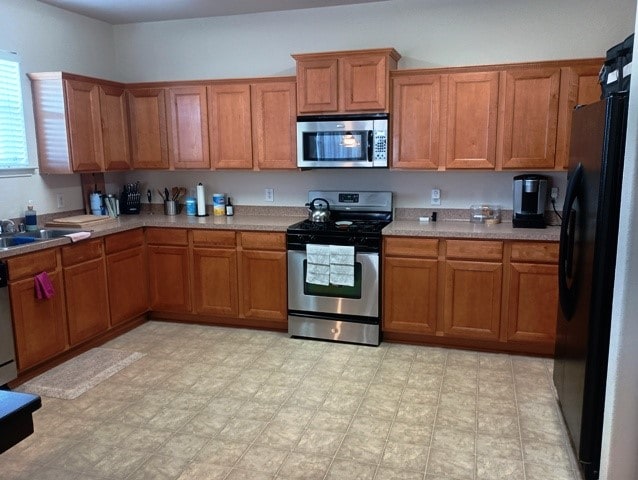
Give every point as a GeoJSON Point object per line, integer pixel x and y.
{"type": "Point", "coordinates": [342, 265]}
{"type": "Point", "coordinates": [318, 264]}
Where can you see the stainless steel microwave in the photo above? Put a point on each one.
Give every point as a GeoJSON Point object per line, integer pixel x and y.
{"type": "Point", "coordinates": [342, 141]}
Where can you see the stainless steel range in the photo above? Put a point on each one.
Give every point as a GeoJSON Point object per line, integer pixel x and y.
{"type": "Point", "coordinates": [334, 268]}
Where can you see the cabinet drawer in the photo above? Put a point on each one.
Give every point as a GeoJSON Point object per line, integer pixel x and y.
{"type": "Point", "coordinates": [535, 252]}
{"type": "Point", "coordinates": [263, 241]}
{"type": "Point", "coordinates": [411, 247]}
{"type": "Point", "coordinates": [167, 236]}
{"type": "Point", "coordinates": [212, 238]}
{"type": "Point", "coordinates": [74, 254]}
{"type": "Point", "coordinates": [474, 249]}
{"type": "Point", "coordinates": [124, 241]}
{"type": "Point", "coordinates": [32, 264]}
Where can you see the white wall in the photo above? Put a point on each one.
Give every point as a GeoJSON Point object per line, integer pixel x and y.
{"type": "Point", "coordinates": [619, 456]}
{"type": "Point", "coordinates": [426, 32]}
{"type": "Point", "coordinates": [49, 39]}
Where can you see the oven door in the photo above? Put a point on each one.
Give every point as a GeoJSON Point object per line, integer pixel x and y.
{"type": "Point", "coordinates": [361, 300]}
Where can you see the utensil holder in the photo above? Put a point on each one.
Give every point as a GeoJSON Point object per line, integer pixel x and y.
{"type": "Point", "coordinates": [170, 207]}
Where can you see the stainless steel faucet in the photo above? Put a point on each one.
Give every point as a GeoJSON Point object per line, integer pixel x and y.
{"type": "Point", "coordinates": [7, 226]}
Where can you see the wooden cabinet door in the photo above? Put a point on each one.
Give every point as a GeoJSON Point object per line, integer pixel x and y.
{"type": "Point", "coordinates": [39, 325]}
{"type": "Point", "coordinates": [416, 121]}
{"type": "Point", "coordinates": [533, 304]}
{"type": "Point", "coordinates": [230, 126]}
{"type": "Point", "coordinates": [84, 125]}
{"type": "Point", "coordinates": [127, 284]}
{"type": "Point", "coordinates": [147, 115]}
{"type": "Point", "coordinates": [188, 127]}
{"type": "Point", "coordinates": [87, 305]}
{"type": "Point", "coordinates": [364, 83]}
{"type": "Point", "coordinates": [317, 85]}
{"type": "Point", "coordinates": [169, 282]}
{"type": "Point", "coordinates": [472, 109]}
{"type": "Point", "coordinates": [578, 86]}
{"type": "Point", "coordinates": [215, 281]}
{"type": "Point", "coordinates": [115, 131]}
{"type": "Point", "coordinates": [274, 125]}
{"type": "Point", "coordinates": [529, 118]}
{"type": "Point", "coordinates": [263, 285]}
{"type": "Point", "coordinates": [472, 305]}
{"type": "Point", "coordinates": [410, 295]}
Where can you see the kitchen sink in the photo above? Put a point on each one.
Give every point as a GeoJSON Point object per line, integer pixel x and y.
{"type": "Point", "coordinates": [23, 238]}
{"type": "Point", "coordinates": [14, 241]}
{"type": "Point", "coordinates": [43, 234]}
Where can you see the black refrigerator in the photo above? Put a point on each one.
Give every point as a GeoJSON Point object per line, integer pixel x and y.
{"type": "Point", "coordinates": [587, 262]}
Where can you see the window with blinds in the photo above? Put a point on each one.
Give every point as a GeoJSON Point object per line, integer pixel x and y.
{"type": "Point", "coordinates": [13, 144]}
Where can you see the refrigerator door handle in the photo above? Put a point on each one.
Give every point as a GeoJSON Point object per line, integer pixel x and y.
{"type": "Point", "coordinates": [566, 245]}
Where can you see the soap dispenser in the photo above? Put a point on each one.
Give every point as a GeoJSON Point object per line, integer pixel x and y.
{"type": "Point", "coordinates": [30, 218]}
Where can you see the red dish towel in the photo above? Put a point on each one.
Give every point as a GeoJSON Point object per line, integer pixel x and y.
{"type": "Point", "coordinates": [43, 286]}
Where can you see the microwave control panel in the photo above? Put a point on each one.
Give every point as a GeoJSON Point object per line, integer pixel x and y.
{"type": "Point", "coordinates": [380, 145]}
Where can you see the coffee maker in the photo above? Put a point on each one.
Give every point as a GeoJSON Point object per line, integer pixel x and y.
{"type": "Point", "coordinates": [530, 195]}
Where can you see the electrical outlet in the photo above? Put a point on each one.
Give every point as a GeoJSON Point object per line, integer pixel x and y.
{"type": "Point", "coordinates": [59, 198]}
{"type": "Point", "coordinates": [269, 194]}
{"type": "Point", "coordinates": [435, 198]}
{"type": "Point", "coordinates": [554, 194]}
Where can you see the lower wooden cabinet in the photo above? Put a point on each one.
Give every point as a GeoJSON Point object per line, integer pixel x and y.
{"type": "Point", "coordinates": [473, 299]}
{"type": "Point", "coordinates": [262, 277]}
{"type": "Point", "coordinates": [410, 285]}
{"type": "Point", "coordinates": [87, 305]}
{"type": "Point", "coordinates": [533, 295]}
{"type": "Point", "coordinates": [127, 275]}
{"type": "Point", "coordinates": [39, 326]}
{"type": "Point", "coordinates": [477, 293]}
{"type": "Point", "coordinates": [215, 273]}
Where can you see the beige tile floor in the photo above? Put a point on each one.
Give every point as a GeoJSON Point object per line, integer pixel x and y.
{"type": "Point", "coordinates": [218, 403]}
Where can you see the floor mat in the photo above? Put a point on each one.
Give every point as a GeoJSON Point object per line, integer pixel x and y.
{"type": "Point", "coordinates": [74, 377]}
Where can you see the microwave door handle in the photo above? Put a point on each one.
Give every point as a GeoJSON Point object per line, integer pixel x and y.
{"type": "Point", "coordinates": [370, 145]}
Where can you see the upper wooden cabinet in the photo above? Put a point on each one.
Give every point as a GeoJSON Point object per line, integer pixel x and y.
{"type": "Point", "coordinates": [230, 135]}
{"type": "Point", "coordinates": [349, 81]}
{"type": "Point", "coordinates": [529, 119]}
{"type": "Point", "coordinates": [472, 108]}
{"type": "Point", "coordinates": [416, 121]}
{"type": "Point", "coordinates": [81, 123]}
{"type": "Point", "coordinates": [187, 123]}
{"type": "Point", "coordinates": [252, 126]}
{"type": "Point", "coordinates": [274, 125]}
{"type": "Point", "coordinates": [115, 128]}
{"type": "Point", "coordinates": [147, 117]}
{"type": "Point", "coordinates": [501, 117]}
{"type": "Point", "coordinates": [578, 86]}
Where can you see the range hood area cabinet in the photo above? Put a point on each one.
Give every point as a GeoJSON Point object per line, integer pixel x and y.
{"type": "Point", "coordinates": [81, 123]}
{"type": "Point", "coordinates": [347, 81]}
{"type": "Point", "coordinates": [496, 118]}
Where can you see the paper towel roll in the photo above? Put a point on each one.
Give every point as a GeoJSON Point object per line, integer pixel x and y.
{"type": "Point", "coordinates": [201, 200]}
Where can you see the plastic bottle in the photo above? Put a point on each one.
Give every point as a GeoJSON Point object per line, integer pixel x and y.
{"type": "Point", "coordinates": [229, 208]}
{"type": "Point", "coordinates": [30, 218]}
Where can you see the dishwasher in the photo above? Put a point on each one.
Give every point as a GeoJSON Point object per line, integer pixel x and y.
{"type": "Point", "coordinates": [8, 370]}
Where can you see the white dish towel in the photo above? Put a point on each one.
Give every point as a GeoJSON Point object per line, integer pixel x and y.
{"type": "Point", "coordinates": [342, 265]}
{"type": "Point", "coordinates": [318, 264]}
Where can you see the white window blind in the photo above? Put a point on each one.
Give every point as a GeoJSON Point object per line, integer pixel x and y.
{"type": "Point", "coordinates": [13, 144]}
